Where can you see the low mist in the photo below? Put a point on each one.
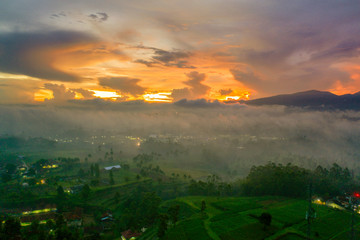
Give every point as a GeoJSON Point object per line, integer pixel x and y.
{"type": "Point", "coordinates": [212, 136]}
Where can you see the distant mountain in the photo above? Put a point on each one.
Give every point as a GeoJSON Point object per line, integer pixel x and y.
{"type": "Point", "coordinates": [312, 99]}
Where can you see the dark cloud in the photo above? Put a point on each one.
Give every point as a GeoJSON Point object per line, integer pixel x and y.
{"type": "Point", "coordinates": [292, 38]}
{"type": "Point", "coordinates": [345, 49]}
{"type": "Point", "coordinates": [58, 15]}
{"type": "Point", "coordinates": [103, 104]}
{"type": "Point", "coordinates": [195, 82]}
{"type": "Point", "coordinates": [196, 88]}
{"type": "Point", "coordinates": [99, 16]}
{"type": "Point", "coordinates": [123, 84]}
{"type": "Point", "coordinates": [166, 58]}
{"type": "Point", "coordinates": [182, 64]}
{"type": "Point", "coordinates": [87, 94]}
{"type": "Point", "coordinates": [198, 103]}
{"type": "Point", "coordinates": [182, 93]}
{"type": "Point", "coordinates": [60, 93]}
{"type": "Point", "coordinates": [30, 53]}
{"type": "Point", "coordinates": [17, 90]}
{"type": "Point", "coordinates": [147, 63]}
{"type": "Point", "coordinates": [247, 76]}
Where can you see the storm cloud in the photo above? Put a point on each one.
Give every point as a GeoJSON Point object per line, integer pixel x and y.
{"type": "Point", "coordinates": [30, 53]}
{"type": "Point", "coordinates": [123, 84]}
{"type": "Point", "coordinates": [196, 88]}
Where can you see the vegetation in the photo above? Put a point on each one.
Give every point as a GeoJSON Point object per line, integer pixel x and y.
{"type": "Point", "coordinates": [77, 198]}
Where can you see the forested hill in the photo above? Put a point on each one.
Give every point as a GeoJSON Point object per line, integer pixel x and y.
{"type": "Point", "coordinates": [312, 99]}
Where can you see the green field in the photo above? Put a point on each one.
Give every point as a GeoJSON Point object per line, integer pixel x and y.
{"type": "Point", "coordinates": [236, 218]}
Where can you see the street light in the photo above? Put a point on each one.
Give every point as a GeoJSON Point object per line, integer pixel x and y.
{"type": "Point", "coordinates": [355, 196]}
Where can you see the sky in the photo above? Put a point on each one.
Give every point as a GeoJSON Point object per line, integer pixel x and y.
{"type": "Point", "coordinates": [168, 50]}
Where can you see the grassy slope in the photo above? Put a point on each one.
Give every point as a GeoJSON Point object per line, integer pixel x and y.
{"type": "Point", "coordinates": [233, 218]}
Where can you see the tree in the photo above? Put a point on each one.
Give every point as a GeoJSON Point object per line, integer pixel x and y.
{"type": "Point", "coordinates": [85, 192]}
{"type": "Point", "coordinates": [203, 206]}
{"type": "Point", "coordinates": [12, 228]}
{"type": "Point", "coordinates": [10, 168]}
{"type": "Point", "coordinates": [5, 177]}
{"type": "Point", "coordinates": [1, 225]}
{"type": "Point", "coordinates": [277, 179]}
{"type": "Point", "coordinates": [50, 224]}
{"type": "Point", "coordinates": [60, 193]}
{"type": "Point", "coordinates": [59, 220]}
{"type": "Point", "coordinates": [112, 182]}
{"type": "Point", "coordinates": [126, 166]}
{"type": "Point", "coordinates": [173, 212]}
{"type": "Point", "coordinates": [92, 170]}
{"type": "Point", "coordinates": [34, 227]}
{"type": "Point", "coordinates": [97, 170]}
{"type": "Point", "coordinates": [148, 207]}
{"type": "Point", "coordinates": [117, 197]}
{"type": "Point", "coordinates": [163, 225]}
{"type": "Point", "coordinates": [265, 219]}
{"type": "Point", "coordinates": [81, 172]}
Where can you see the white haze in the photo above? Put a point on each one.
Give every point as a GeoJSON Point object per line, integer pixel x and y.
{"type": "Point", "coordinates": [245, 136]}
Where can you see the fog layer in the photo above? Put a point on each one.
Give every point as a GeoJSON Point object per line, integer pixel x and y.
{"type": "Point", "coordinates": [233, 137]}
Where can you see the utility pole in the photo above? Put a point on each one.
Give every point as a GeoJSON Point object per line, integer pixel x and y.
{"type": "Point", "coordinates": [352, 219]}
{"type": "Point", "coordinates": [309, 213]}
{"type": "Point", "coordinates": [353, 199]}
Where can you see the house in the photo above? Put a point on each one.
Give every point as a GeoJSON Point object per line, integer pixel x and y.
{"type": "Point", "coordinates": [73, 220]}
{"type": "Point", "coordinates": [106, 217]}
{"type": "Point", "coordinates": [112, 167]}
{"type": "Point", "coordinates": [106, 221]}
{"type": "Point", "coordinates": [128, 234]}
{"type": "Point", "coordinates": [334, 204]}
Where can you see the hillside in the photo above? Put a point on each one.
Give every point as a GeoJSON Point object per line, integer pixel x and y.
{"type": "Point", "coordinates": [236, 218]}
{"type": "Point", "coordinates": [312, 99]}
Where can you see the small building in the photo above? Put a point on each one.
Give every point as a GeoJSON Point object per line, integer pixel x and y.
{"type": "Point", "coordinates": [112, 167]}
{"type": "Point", "coordinates": [106, 221]}
{"type": "Point", "coordinates": [334, 204]}
{"type": "Point", "coordinates": [128, 234]}
{"type": "Point", "coordinates": [106, 217]}
{"type": "Point", "coordinates": [73, 220]}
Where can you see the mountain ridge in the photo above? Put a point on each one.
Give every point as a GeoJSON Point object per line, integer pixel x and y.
{"type": "Point", "coordinates": [312, 99]}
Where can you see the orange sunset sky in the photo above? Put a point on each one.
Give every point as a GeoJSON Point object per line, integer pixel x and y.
{"type": "Point", "coordinates": [167, 50]}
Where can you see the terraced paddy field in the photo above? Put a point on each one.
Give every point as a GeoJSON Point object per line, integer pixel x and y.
{"type": "Point", "coordinates": [238, 218]}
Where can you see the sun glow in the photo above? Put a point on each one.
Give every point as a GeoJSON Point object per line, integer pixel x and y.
{"type": "Point", "coordinates": [232, 98]}
{"type": "Point", "coordinates": [235, 96]}
{"type": "Point", "coordinates": [158, 97]}
{"type": "Point", "coordinates": [106, 94]}
{"type": "Point", "coordinates": [43, 94]}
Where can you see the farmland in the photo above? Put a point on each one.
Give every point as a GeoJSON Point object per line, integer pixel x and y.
{"type": "Point", "coordinates": [236, 218]}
